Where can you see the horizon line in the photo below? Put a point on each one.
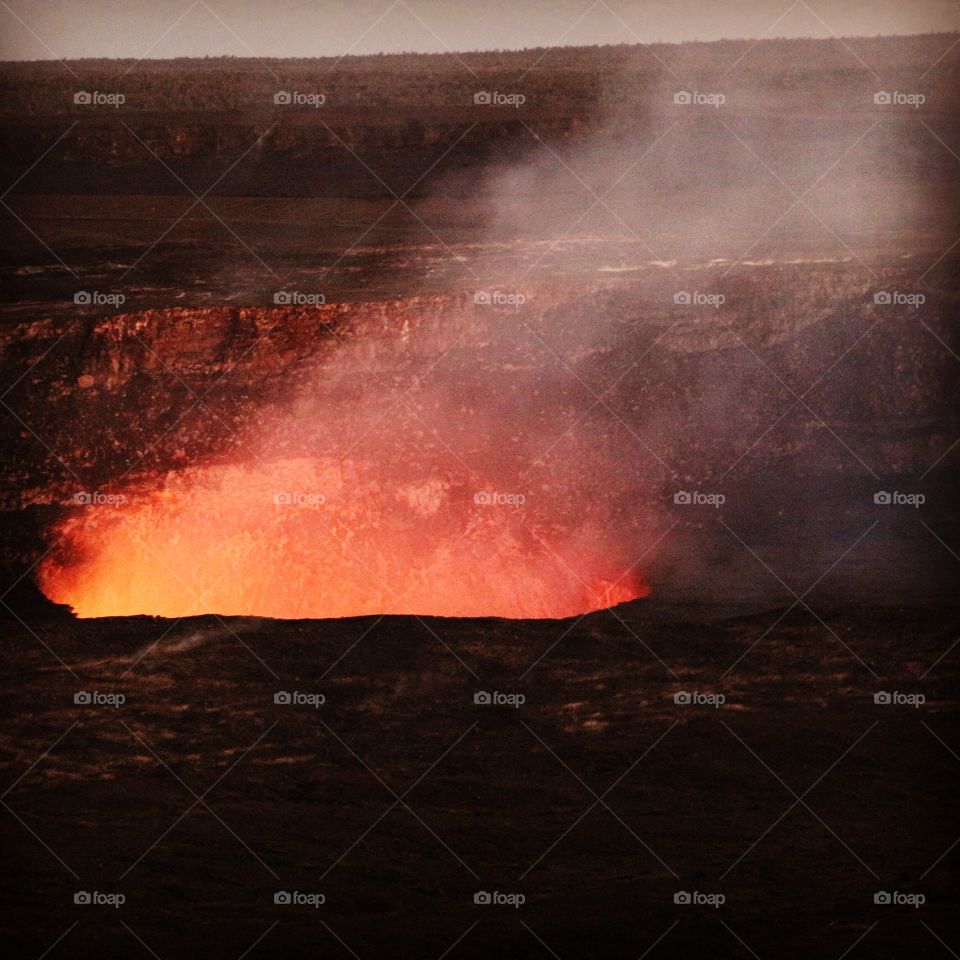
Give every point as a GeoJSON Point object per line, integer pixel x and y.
{"type": "Point", "coordinates": [838, 38]}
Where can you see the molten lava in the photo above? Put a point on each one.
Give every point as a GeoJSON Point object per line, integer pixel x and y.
{"type": "Point", "coordinates": [323, 538]}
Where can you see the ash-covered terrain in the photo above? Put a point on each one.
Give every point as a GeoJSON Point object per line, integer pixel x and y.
{"type": "Point", "coordinates": [269, 373]}
{"type": "Point", "coordinates": [786, 789]}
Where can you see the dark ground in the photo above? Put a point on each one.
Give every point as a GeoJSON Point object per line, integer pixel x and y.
{"type": "Point", "coordinates": [399, 798]}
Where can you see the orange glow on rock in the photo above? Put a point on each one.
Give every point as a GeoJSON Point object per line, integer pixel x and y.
{"type": "Point", "coordinates": [323, 538]}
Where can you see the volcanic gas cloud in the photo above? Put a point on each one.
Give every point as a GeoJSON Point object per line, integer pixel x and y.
{"type": "Point", "coordinates": [406, 474]}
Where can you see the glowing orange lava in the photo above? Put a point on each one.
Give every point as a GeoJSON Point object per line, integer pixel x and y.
{"type": "Point", "coordinates": [321, 538]}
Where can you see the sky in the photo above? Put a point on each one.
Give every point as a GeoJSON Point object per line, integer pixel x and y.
{"type": "Point", "coordinates": [48, 29]}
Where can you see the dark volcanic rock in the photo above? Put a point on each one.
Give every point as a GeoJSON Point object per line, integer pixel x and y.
{"type": "Point", "coordinates": [494, 798]}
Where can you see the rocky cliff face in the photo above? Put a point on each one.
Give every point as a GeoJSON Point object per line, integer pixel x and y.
{"type": "Point", "coordinates": [798, 386]}
{"type": "Point", "coordinates": [101, 389]}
